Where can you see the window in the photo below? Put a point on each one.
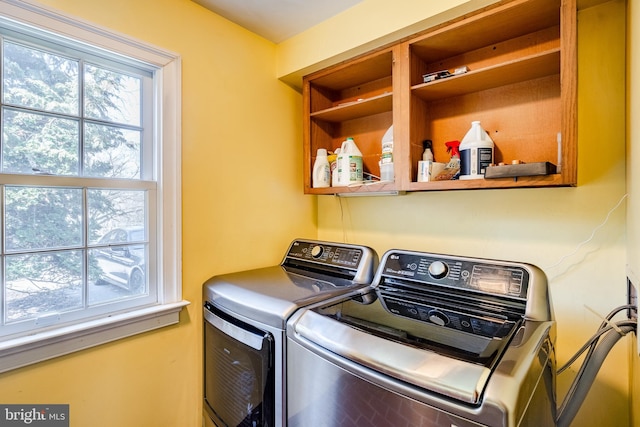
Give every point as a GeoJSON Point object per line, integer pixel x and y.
{"type": "Point", "coordinates": [89, 186]}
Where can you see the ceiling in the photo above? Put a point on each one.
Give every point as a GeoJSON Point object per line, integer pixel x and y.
{"type": "Point", "coordinates": [277, 20]}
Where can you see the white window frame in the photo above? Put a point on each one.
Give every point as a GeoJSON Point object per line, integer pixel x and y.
{"type": "Point", "coordinates": [25, 350]}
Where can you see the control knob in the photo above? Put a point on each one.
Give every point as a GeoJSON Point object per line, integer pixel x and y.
{"type": "Point", "coordinates": [438, 317]}
{"type": "Point", "coordinates": [317, 251]}
{"type": "Point", "coordinates": [438, 269]}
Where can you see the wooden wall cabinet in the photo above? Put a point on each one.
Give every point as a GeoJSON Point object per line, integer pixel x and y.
{"type": "Point", "coordinates": [520, 84]}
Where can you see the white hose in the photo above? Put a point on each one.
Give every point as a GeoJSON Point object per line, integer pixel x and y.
{"type": "Point", "coordinates": [587, 374]}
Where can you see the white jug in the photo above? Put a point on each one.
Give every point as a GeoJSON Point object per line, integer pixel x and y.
{"type": "Point", "coordinates": [476, 152]}
{"type": "Point", "coordinates": [349, 164]}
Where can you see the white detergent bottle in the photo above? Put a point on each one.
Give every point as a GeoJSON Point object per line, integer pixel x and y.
{"type": "Point", "coordinates": [427, 154]}
{"type": "Point", "coordinates": [386, 159]}
{"type": "Point", "coordinates": [321, 177]}
{"type": "Point", "coordinates": [349, 164]}
{"type": "Point", "coordinates": [476, 152]}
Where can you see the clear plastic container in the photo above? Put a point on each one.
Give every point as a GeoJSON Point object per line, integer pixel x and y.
{"type": "Point", "coordinates": [386, 159]}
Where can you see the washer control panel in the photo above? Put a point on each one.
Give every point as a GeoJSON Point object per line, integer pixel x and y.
{"type": "Point", "coordinates": [477, 275]}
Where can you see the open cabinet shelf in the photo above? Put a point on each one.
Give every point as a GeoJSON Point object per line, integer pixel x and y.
{"type": "Point", "coordinates": [519, 58]}
{"type": "Point", "coordinates": [356, 109]}
{"type": "Point", "coordinates": [531, 67]}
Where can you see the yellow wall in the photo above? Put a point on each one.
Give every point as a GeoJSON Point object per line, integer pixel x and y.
{"type": "Point", "coordinates": [540, 226]}
{"type": "Point", "coordinates": [242, 189]}
{"type": "Point", "coordinates": [242, 194]}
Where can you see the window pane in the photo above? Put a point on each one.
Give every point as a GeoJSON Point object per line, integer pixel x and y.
{"type": "Point", "coordinates": [111, 96]}
{"type": "Point", "coordinates": [111, 152]}
{"type": "Point", "coordinates": [118, 264]}
{"type": "Point", "coordinates": [38, 143]}
{"type": "Point", "coordinates": [36, 79]}
{"type": "Point", "coordinates": [116, 209]}
{"type": "Point", "coordinates": [42, 218]}
{"type": "Point", "coordinates": [42, 283]}
{"type": "Point", "coordinates": [118, 272]}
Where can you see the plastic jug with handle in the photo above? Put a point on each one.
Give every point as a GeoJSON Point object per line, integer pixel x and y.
{"type": "Point", "coordinates": [349, 163]}
{"type": "Point", "coordinates": [476, 152]}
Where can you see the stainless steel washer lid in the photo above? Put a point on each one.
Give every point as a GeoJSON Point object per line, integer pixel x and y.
{"type": "Point", "coordinates": [270, 295]}
{"type": "Point", "coordinates": [426, 369]}
{"type": "Point", "coordinates": [455, 378]}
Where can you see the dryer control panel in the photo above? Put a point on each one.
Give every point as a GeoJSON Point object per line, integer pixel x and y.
{"type": "Point", "coordinates": [326, 253]}
{"type": "Point", "coordinates": [355, 263]}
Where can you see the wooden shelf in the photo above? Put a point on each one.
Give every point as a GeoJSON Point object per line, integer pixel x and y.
{"type": "Point", "coordinates": [529, 68]}
{"type": "Point", "coordinates": [486, 27]}
{"type": "Point", "coordinates": [356, 72]}
{"type": "Point", "coordinates": [371, 188]}
{"type": "Point", "coordinates": [356, 109]}
{"type": "Point", "coordinates": [502, 183]}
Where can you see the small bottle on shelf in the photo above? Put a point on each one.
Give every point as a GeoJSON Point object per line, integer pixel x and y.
{"type": "Point", "coordinates": [321, 173]}
{"type": "Point", "coordinates": [427, 155]}
{"type": "Point", "coordinates": [386, 158]}
{"type": "Point", "coordinates": [333, 167]}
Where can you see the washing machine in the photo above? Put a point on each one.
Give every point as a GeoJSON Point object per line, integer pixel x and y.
{"type": "Point", "coordinates": [436, 340]}
{"type": "Point", "coordinates": [245, 315]}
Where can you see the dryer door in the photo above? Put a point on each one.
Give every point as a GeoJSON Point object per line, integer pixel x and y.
{"type": "Point", "coordinates": [238, 372]}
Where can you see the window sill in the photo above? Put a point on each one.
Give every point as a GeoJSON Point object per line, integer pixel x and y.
{"type": "Point", "coordinates": [41, 346]}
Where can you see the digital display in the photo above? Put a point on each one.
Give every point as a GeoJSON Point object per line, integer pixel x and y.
{"type": "Point", "coordinates": [500, 280]}
{"type": "Point", "coordinates": [346, 256]}
{"type": "Point", "coordinates": [493, 286]}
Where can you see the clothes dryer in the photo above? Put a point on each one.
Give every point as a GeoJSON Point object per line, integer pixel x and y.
{"type": "Point", "coordinates": [245, 314]}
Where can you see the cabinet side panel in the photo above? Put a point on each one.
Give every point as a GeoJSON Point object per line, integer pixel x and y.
{"type": "Point", "coordinates": [569, 88]}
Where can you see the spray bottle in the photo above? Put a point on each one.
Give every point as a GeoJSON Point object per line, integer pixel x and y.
{"type": "Point", "coordinates": [452, 170]}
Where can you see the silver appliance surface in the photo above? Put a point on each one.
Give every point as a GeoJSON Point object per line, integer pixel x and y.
{"type": "Point", "coordinates": [453, 340]}
{"type": "Point", "coordinates": [245, 315]}
{"type": "Point", "coordinates": [311, 271]}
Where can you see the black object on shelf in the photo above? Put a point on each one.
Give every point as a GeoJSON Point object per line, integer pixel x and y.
{"type": "Point", "coordinates": [521, 169]}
